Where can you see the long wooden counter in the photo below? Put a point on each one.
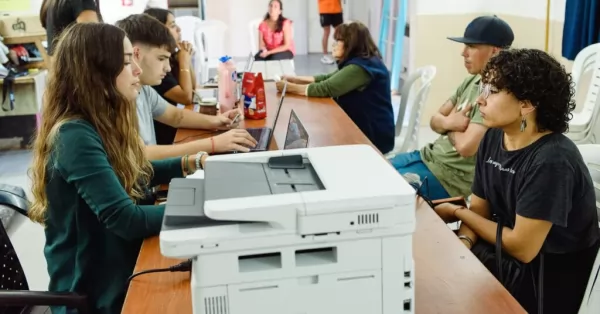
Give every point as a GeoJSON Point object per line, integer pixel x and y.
{"type": "Point", "coordinates": [449, 279]}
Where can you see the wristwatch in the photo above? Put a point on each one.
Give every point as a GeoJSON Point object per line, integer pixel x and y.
{"type": "Point", "coordinates": [198, 159]}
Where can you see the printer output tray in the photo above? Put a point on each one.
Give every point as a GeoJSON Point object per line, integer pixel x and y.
{"type": "Point", "coordinates": [185, 210]}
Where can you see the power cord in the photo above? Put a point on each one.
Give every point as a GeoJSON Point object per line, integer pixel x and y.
{"type": "Point", "coordinates": [181, 267]}
{"type": "Point", "coordinates": [419, 190]}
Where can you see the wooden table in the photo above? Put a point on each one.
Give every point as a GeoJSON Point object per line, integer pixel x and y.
{"type": "Point", "coordinates": [449, 279]}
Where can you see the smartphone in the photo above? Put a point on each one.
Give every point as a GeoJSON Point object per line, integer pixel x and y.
{"type": "Point", "coordinates": [236, 119]}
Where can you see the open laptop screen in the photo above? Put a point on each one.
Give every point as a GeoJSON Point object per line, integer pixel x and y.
{"type": "Point", "coordinates": [296, 136]}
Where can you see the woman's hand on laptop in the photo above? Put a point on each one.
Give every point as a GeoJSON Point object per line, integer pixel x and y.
{"type": "Point", "coordinates": [225, 120]}
{"type": "Point", "coordinates": [234, 140]}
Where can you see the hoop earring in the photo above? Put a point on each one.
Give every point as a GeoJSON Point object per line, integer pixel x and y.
{"type": "Point", "coordinates": [523, 124]}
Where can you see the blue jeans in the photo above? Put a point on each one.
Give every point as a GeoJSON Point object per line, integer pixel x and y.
{"type": "Point", "coordinates": [412, 163]}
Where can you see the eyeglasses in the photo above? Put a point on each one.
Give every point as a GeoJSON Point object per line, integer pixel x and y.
{"type": "Point", "coordinates": [485, 90]}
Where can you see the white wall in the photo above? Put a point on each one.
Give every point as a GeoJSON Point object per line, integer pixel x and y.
{"type": "Point", "coordinates": [34, 9]}
{"type": "Point", "coordinates": [111, 10]}
{"type": "Point", "coordinates": [523, 8]}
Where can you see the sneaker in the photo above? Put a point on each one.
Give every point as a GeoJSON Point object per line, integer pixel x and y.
{"type": "Point", "coordinates": [326, 59]}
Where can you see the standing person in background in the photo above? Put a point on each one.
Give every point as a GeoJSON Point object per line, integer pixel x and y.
{"type": "Point", "coordinates": [177, 87]}
{"type": "Point", "coordinates": [330, 12]}
{"type": "Point", "coordinates": [56, 15]}
{"type": "Point", "coordinates": [275, 35]}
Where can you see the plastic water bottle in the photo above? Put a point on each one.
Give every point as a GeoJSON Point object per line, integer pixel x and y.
{"type": "Point", "coordinates": [227, 83]}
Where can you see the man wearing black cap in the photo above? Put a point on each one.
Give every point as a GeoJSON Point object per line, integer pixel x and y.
{"type": "Point", "coordinates": [448, 164]}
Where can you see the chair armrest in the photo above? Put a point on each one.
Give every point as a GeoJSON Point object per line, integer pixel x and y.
{"type": "Point", "coordinates": [32, 298]}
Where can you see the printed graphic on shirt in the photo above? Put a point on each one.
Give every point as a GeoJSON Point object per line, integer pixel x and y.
{"type": "Point", "coordinates": [498, 166]}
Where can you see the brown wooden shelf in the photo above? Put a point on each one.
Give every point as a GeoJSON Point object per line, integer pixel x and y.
{"type": "Point", "coordinates": [25, 79]}
{"type": "Point", "coordinates": [31, 39]}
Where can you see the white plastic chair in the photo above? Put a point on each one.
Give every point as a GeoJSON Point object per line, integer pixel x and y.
{"type": "Point", "coordinates": [583, 128]}
{"type": "Point", "coordinates": [189, 24]}
{"type": "Point", "coordinates": [210, 37]}
{"type": "Point", "coordinates": [591, 300]}
{"type": "Point", "coordinates": [253, 29]}
{"type": "Point", "coordinates": [414, 96]}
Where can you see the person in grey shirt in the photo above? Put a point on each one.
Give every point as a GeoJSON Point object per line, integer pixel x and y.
{"type": "Point", "coordinates": [152, 45]}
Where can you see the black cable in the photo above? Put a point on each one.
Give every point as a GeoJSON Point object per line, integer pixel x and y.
{"type": "Point", "coordinates": [181, 267]}
{"type": "Point", "coordinates": [422, 195]}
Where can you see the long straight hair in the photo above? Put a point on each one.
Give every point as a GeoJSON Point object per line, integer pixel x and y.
{"type": "Point", "coordinates": [90, 95]}
{"type": "Point", "coordinates": [280, 20]}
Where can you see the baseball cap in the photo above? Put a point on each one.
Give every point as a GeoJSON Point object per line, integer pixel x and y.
{"type": "Point", "coordinates": [487, 30]}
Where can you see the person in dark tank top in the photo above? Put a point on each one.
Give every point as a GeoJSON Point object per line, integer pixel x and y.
{"type": "Point", "coordinates": [56, 15]}
{"type": "Point", "coordinates": [534, 179]}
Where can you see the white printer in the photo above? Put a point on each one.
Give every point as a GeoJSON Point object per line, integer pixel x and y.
{"type": "Point", "coordinates": [308, 231]}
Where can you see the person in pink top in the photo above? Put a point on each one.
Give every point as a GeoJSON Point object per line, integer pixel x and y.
{"type": "Point", "coordinates": [275, 35]}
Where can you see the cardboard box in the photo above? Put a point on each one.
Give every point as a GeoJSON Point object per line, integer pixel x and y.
{"type": "Point", "coordinates": [21, 25]}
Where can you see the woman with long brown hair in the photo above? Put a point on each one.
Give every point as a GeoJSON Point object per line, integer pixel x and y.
{"type": "Point", "coordinates": [360, 85]}
{"type": "Point", "coordinates": [89, 168]}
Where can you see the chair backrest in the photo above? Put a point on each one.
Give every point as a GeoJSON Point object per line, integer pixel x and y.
{"type": "Point", "coordinates": [12, 276]}
{"type": "Point", "coordinates": [591, 157]}
{"type": "Point", "coordinates": [414, 96]}
{"type": "Point", "coordinates": [591, 299]}
{"type": "Point", "coordinates": [211, 37]}
{"type": "Point", "coordinates": [253, 29]}
{"type": "Point", "coordinates": [588, 60]}
{"type": "Point", "coordinates": [188, 24]}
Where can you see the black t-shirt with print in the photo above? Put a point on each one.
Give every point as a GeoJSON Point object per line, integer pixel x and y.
{"type": "Point", "coordinates": [546, 180]}
{"type": "Point", "coordinates": [63, 14]}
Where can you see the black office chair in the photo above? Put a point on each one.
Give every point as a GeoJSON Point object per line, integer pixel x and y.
{"type": "Point", "coordinates": [15, 296]}
{"type": "Point", "coordinates": [14, 197]}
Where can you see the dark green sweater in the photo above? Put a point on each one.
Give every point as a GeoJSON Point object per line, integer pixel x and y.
{"type": "Point", "coordinates": [93, 228]}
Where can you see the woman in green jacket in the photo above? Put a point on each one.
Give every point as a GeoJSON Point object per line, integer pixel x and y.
{"type": "Point", "coordinates": [89, 168]}
{"type": "Point", "coordinates": [360, 85]}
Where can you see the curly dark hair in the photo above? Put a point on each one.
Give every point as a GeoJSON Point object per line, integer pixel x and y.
{"type": "Point", "coordinates": [535, 76]}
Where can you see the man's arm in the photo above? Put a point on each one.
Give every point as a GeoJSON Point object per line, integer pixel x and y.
{"type": "Point", "coordinates": [181, 118]}
{"type": "Point", "coordinates": [437, 121]}
{"type": "Point", "coordinates": [467, 142]}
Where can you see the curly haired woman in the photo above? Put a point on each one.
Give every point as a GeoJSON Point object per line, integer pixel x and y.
{"type": "Point", "coordinates": [532, 179]}
{"type": "Point", "coordinates": [89, 168]}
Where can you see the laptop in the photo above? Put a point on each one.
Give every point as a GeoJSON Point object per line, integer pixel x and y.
{"type": "Point", "coordinates": [264, 135]}
{"type": "Point", "coordinates": [296, 136]}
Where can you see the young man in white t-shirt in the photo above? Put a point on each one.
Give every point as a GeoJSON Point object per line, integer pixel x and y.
{"type": "Point", "coordinates": [152, 47]}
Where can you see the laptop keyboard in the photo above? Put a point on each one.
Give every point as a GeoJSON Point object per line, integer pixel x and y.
{"type": "Point", "coordinates": [261, 135]}
{"type": "Point", "coordinates": [256, 133]}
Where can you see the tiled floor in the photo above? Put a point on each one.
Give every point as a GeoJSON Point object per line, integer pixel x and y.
{"type": "Point", "coordinates": [28, 238]}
